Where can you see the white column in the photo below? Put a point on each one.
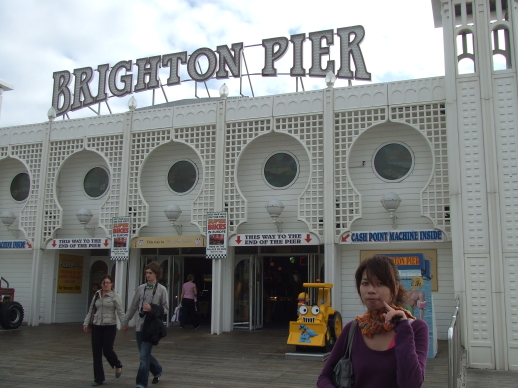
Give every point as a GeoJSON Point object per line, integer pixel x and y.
{"type": "Point", "coordinates": [332, 253]}
{"type": "Point", "coordinates": [121, 268]}
{"type": "Point", "coordinates": [39, 243]}
{"type": "Point", "coordinates": [219, 205]}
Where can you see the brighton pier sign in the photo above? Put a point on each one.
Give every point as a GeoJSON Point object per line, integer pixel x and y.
{"type": "Point", "coordinates": [64, 99]}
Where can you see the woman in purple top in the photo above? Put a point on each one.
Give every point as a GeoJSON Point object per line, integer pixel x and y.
{"type": "Point", "coordinates": [390, 346]}
{"type": "Point", "coordinates": [188, 302]}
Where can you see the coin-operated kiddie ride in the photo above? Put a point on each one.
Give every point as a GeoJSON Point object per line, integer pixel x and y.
{"type": "Point", "coordinates": [318, 324]}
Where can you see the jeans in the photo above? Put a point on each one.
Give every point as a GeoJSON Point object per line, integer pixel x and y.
{"type": "Point", "coordinates": [103, 338]}
{"type": "Point", "coordinates": [148, 363]}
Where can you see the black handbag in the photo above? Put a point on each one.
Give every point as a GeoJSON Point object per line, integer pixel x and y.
{"type": "Point", "coordinates": [343, 370]}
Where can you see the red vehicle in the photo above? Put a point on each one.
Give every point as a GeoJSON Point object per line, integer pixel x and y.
{"type": "Point", "coordinates": [11, 312]}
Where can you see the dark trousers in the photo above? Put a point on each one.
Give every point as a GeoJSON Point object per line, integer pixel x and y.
{"type": "Point", "coordinates": [189, 313]}
{"type": "Point", "coordinates": [103, 338]}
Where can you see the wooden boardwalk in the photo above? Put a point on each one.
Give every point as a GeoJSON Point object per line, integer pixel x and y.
{"type": "Point", "coordinates": [59, 355]}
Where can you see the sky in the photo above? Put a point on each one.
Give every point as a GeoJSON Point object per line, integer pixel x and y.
{"type": "Point", "coordinates": [38, 38]}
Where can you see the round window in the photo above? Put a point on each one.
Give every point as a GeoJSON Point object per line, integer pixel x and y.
{"type": "Point", "coordinates": [281, 170]}
{"type": "Point", "coordinates": [20, 187]}
{"type": "Point", "coordinates": [96, 182]}
{"type": "Point", "coordinates": [393, 162]}
{"type": "Point", "coordinates": [182, 177]}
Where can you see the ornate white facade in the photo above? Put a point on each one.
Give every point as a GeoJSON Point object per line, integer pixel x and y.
{"type": "Point", "coordinates": [461, 129]}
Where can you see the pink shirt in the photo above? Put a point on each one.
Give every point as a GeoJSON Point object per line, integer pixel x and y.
{"type": "Point", "coordinates": [188, 290]}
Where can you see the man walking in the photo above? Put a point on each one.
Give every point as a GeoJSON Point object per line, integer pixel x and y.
{"type": "Point", "coordinates": [150, 301]}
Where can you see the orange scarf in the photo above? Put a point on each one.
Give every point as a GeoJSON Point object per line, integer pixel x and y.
{"type": "Point", "coordinates": [373, 322]}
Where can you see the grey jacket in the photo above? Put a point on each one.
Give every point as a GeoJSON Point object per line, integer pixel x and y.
{"type": "Point", "coordinates": [108, 308]}
{"type": "Point", "coordinates": [143, 296]}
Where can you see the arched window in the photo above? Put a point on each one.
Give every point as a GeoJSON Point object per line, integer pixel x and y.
{"type": "Point", "coordinates": [465, 53]}
{"type": "Point", "coordinates": [501, 47]}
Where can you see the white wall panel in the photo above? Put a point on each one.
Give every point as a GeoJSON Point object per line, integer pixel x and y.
{"type": "Point", "coordinates": [473, 168]}
{"type": "Point", "coordinates": [22, 134]}
{"type": "Point", "coordinates": [196, 114]}
{"type": "Point", "coordinates": [257, 193]}
{"type": "Point", "coordinates": [98, 125]}
{"type": "Point", "coordinates": [153, 119]}
{"type": "Point", "coordinates": [157, 194]}
{"type": "Point", "coordinates": [360, 96]}
{"type": "Point", "coordinates": [16, 268]}
{"type": "Point", "coordinates": [71, 196]}
{"type": "Point", "coordinates": [298, 103]}
{"type": "Point", "coordinates": [504, 89]}
{"type": "Point", "coordinates": [511, 307]}
{"type": "Point", "coordinates": [247, 109]}
{"type": "Point", "coordinates": [372, 188]}
{"type": "Point", "coordinates": [479, 310]}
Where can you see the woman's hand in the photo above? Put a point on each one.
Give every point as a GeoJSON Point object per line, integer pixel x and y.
{"type": "Point", "coordinates": [393, 316]}
{"type": "Point", "coordinates": [85, 329]}
{"type": "Point", "coordinates": [146, 307]}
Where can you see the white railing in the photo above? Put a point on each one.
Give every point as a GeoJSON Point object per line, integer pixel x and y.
{"type": "Point", "coordinates": [455, 349]}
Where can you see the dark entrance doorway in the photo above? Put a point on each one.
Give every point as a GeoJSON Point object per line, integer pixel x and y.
{"type": "Point", "coordinates": [284, 277]}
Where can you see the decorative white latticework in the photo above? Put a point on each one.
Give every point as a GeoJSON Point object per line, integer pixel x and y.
{"type": "Point", "coordinates": [59, 151]}
{"type": "Point", "coordinates": [202, 139]}
{"type": "Point", "coordinates": [238, 135]}
{"type": "Point", "coordinates": [348, 126]}
{"type": "Point", "coordinates": [430, 119]}
{"type": "Point", "coordinates": [30, 154]}
{"type": "Point", "coordinates": [111, 148]}
{"type": "Point", "coordinates": [310, 131]}
{"type": "Point", "coordinates": [141, 145]}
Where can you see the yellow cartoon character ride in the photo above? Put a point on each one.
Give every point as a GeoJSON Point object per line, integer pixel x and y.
{"type": "Point", "coordinates": [318, 325]}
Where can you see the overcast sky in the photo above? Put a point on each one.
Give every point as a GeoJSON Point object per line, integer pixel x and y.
{"type": "Point", "coordinates": [38, 38]}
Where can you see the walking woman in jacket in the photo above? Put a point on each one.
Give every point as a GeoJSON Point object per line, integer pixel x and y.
{"type": "Point", "coordinates": [105, 307]}
{"type": "Point", "coordinates": [150, 299]}
{"type": "Point", "coordinates": [390, 345]}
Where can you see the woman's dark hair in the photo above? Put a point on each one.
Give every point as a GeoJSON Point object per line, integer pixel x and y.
{"type": "Point", "coordinates": [107, 277]}
{"type": "Point", "coordinates": [385, 270]}
{"type": "Point", "coordinates": [190, 277]}
{"type": "Point", "coordinates": [157, 270]}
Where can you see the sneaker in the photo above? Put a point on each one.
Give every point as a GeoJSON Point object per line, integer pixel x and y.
{"type": "Point", "coordinates": [156, 379]}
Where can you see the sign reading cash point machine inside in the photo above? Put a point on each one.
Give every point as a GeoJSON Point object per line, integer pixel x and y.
{"type": "Point", "coordinates": [393, 236]}
{"type": "Point", "coordinates": [121, 81]}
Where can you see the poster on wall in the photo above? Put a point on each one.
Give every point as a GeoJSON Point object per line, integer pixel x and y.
{"type": "Point", "coordinates": [120, 238]}
{"type": "Point", "coordinates": [70, 274]}
{"type": "Point", "coordinates": [415, 272]}
{"type": "Point", "coordinates": [217, 235]}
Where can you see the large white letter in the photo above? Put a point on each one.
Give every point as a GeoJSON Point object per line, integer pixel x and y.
{"type": "Point", "coordinates": [271, 55]}
{"type": "Point", "coordinates": [61, 82]}
{"type": "Point", "coordinates": [348, 48]}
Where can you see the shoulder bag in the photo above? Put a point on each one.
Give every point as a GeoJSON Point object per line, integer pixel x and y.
{"type": "Point", "coordinates": [343, 370]}
{"type": "Point", "coordinates": [93, 309]}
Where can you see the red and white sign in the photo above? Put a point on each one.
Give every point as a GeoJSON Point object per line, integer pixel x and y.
{"type": "Point", "coordinates": [120, 238]}
{"type": "Point", "coordinates": [79, 243]}
{"type": "Point", "coordinates": [263, 239]}
{"type": "Point", "coordinates": [217, 235]}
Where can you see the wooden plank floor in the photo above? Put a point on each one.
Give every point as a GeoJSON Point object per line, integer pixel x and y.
{"type": "Point", "coordinates": [59, 355]}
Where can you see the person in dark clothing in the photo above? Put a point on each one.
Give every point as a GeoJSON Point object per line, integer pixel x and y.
{"type": "Point", "coordinates": [390, 345]}
{"type": "Point", "coordinates": [188, 302]}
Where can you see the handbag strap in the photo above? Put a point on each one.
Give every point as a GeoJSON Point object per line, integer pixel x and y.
{"type": "Point", "coordinates": [350, 337]}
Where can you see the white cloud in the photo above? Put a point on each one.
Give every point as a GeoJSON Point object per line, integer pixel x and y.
{"type": "Point", "coordinates": [39, 38]}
